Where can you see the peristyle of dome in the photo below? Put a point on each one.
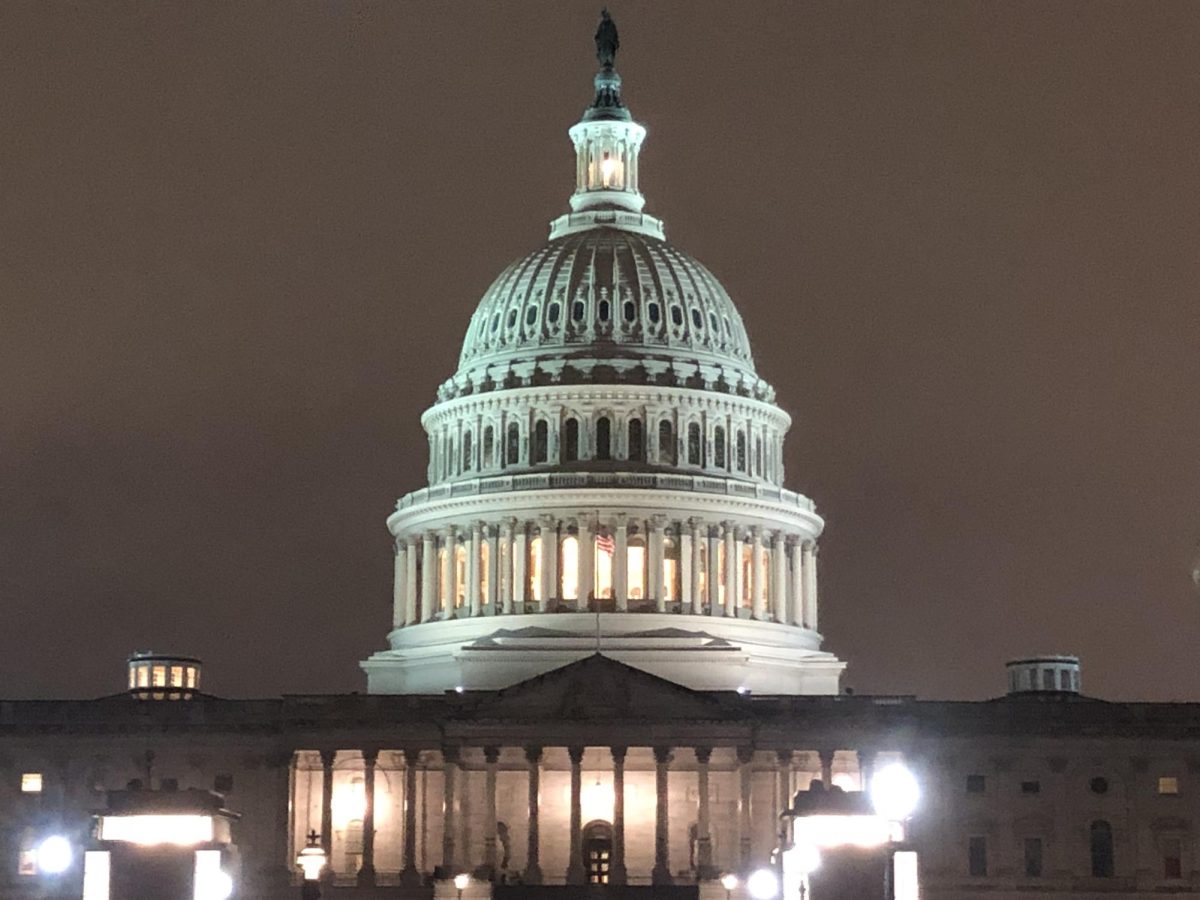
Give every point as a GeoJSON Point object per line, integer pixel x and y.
{"type": "Point", "coordinates": [606, 470]}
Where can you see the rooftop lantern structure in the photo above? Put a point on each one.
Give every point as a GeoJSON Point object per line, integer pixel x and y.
{"type": "Point", "coordinates": [1051, 675]}
{"type": "Point", "coordinates": [160, 676]}
{"type": "Point", "coordinates": [605, 467]}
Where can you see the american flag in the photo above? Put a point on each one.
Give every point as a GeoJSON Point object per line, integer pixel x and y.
{"type": "Point", "coordinates": [605, 542]}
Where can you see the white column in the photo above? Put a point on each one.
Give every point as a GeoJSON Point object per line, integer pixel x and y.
{"type": "Point", "coordinates": [504, 558]}
{"type": "Point", "coordinates": [474, 588]}
{"type": "Point", "coordinates": [491, 536]}
{"type": "Point", "coordinates": [549, 545]}
{"type": "Point", "coordinates": [399, 581]}
{"type": "Point", "coordinates": [587, 562]}
{"type": "Point", "coordinates": [779, 578]}
{"type": "Point", "coordinates": [714, 571]}
{"type": "Point", "coordinates": [733, 566]}
{"type": "Point", "coordinates": [758, 602]}
{"type": "Point", "coordinates": [796, 583]}
{"type": "Point", "coordinates": [428, 576]}
{"type": "Point", "coordinates": [621, 565]}
{"type": "Point", "coordinates": [450, 541]}
{"type": "Point", "coordinates": [694, 573]}
{"type": "Point", "coordinates": [685, 567]}
{"type": "Point", "coordinates": [412, 595]}
{"type": "Point", "coordinates": [654, 550]}
{"type": "Point", "coordinates": [810, 585]}
{"type": "Point", "coordinates": [520, 555]}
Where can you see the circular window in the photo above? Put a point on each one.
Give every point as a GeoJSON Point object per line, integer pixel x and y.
{"type": "Point", "coordinates": [1099, 785]}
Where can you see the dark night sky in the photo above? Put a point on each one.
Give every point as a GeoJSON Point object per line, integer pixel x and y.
{"type": "Point", "coordinates": [241, 243]}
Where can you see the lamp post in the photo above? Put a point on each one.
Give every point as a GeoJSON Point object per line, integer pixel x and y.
{"type": "Point", "coordinates": [729, 881]}
{"type": "Point", "coordinates": [461, 880]}
{"type": "Point", "coordinates": [311, 861]}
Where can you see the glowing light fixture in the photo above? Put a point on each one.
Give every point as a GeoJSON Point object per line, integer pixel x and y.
{"type": "Point", "coordinates": [150, 830]}
{"type": "Point", "coordinates": [894, 792]}
{"type": "Point", "coordinates": [54, 855]}
{"type": "Point", "coordinates": [840, 831]}
{"type": "Point", "coordinates": [312, 858]}
{"type": "Point", "coordinates": [461, 880]}
{"type": "Point", "coordinates": [763, 884]}
{"type": "Point", "coordinates": [808, 858]}
{"type": "Point", "coordinates": [730, 881]}
{"type": "Point", "coordinates": [211, 881]}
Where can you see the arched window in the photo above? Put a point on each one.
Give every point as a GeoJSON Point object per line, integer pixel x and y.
{"type": "Point", "coordinates": [571, 440]}
{"type": "Point", "coordinates": [1102, 849]}
{"type": "Point", "coordinates": [747, 576]}
{"type": "Point", "coordinates": [666, 442]}
{"type": "Point", "coordinates": [485, 553]}
{"type": "Point", "coordinates": [541, 441]}
{"type": "Point", "coordinates": [460, 574]}
{"type": "Point", "coordinates": [443, 584]}
{"type": "Point", "coordinates": [535, 569]}
{"type": "Point", "coordinates": [670, 570]}
{"type": "Point", "coordinates": [758, 459]}
{"type": "Point", "coordinates": [693, 445]}
{"type": "Point", "coordinates": [637, 450]}
{"type": "Point", "coordinates": [636, 568]}
{"type": "Point", "coordinates": [512, 447]}
{"type": "Point", "coordinates": [466, 450]}
{"type": "Point", "coordinates": [597, 851]}
{"type": "Point", "coordinates": [603, 438]}
{"type": "Point", "coordinates": [489, 440]}
{"type": "Point", "coordinates": [703, 573]}
{"type": "Point", "coordinates": [741, 451]}
{"type": "Point", "coordinates": [570, 567]}
{"type": "Point", "coordinates": [719, 447]}
{"type": "Point", "coordinates": [719, 587]}
{"type": "Point", "coordinates": [605, 547]}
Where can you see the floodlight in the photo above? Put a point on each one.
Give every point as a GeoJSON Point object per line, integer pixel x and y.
{"type": "Point", "coordinates": [763, 884]}
{"type": "Point", "coordinates": [894, 792]}
{"type": "Point", "coordinates": [54, 855]}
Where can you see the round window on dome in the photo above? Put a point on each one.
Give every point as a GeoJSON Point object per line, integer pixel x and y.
{"type": "Point", "coordinates": [552, 313]}
{"type": "Point", "coordinates": [655, 314]}
{"type": "Point", "coordinates": [604, 311]}
{"type": "Point", "coordinates": [697, 319]}
{"type": "Point", "coordinates": [531, 315]}
{"type": "Point", "coordinates": [677, 316]}
{"type": "Point", "coordinates": [630, 310]}
{"type": "Point", "coordinates": [577, 310]}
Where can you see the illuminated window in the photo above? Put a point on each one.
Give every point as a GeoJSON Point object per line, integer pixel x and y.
{"type": "Point", "coordinates": [27, 854]}
{"type": "Point", "coordinates": [132, 677]}
{"type": "Point", "coordinates": [191, 676]}
{"type": "Point", "coordinates": [747, 576]}
{"type": "Point", "coordinates": [603, 438]}
{"type": "Point", "coordinates": [570, 567]}
{"type": "Point", "coordinates": [97, 865]}
{"type": "Point", "coordinates": [977, 856]}
{"type": "Point", "coordinates": [720, 585]}
{"type": "Point", "coordinates": [143, 676]}
{"type": "Point", "coordinates": [535, 568]}
{"type": "Point", "coordinates": [764, 589]}
{"type": "Point", "coordinates": [670, 570]}
{"type": "Point", "coordinates": [571, 440]}
{"type": "Point", "coordinates": [541, 441]}
{"type": "Point", "coordinates": [31, 783]}
{"type": "Point", "coordinates": [460, 574]}
{"type": "Point", "coordinates": [605, 548]}
{"type": "Point", "coordinates": [636, 568]}
{"type": "Point", "coordinates": [485, 554]}
{"type": "Point", "coordinates": [703, 571]}
{"type": "Point", "coordinates": [1168, 785]}
{"type": "Point", "coordinates": [1172, 857]}
{"type": "Point", "coordinates": [666, 442]}
{"type": "Point", "coordinates": [719, 447]}
{"type": "Point", "coordinates": [158, 676]}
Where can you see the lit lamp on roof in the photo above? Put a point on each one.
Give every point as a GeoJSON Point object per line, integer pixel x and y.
{"type": "Point", "coordinates": [851, 843]}
{"type": "Point", "coordinates": [311, 861]}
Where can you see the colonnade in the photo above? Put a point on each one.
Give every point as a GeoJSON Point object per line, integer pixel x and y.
{"type": "Point", "coordinates": [618, 564]}
{"type": "Point", "coordinates": [741, 854]}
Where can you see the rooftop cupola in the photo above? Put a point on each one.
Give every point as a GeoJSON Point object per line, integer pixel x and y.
{"type": "Point", "coordinates": [607, 142]}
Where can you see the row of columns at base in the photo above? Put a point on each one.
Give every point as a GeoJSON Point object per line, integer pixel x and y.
{"type": "Point", "coordinates": [576, 873]}
{"type": "Point", "coordinates": [781, 581]}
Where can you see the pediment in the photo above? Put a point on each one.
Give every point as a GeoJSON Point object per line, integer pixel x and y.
{"type": "Point", "coordinates": [598, 687]}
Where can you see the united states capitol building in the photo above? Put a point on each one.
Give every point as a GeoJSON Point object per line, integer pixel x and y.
{"type": "Point", "coordinates": [605, 672]}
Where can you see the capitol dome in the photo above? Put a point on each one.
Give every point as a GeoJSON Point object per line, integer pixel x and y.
{"type": "Point", "coordinates": [607, 304]}
{"type": "Point", "coordinates": [605, 470]}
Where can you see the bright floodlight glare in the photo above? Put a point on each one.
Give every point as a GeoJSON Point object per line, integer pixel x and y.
{"type": "Point", "coordinates": [461, 880]}
{"type": "Point", "coordinates": [54, 855]}
{"type": "Point", "coordinates": [729, 881]}
{"type": "Point", "coordinates": [216, 885]}
{"type": "Point", "coordinates": [808, 858]}
{"type": "Point", "coordinates": [763, 884]}
{"type": "Point", "coordinates": [894, 792]}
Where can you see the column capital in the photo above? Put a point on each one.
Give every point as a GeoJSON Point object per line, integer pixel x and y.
{"type": "Point", "coordinates": [618, 754]}
{"type": "Point", "coordinates": [370, 755]}
{"type": "Point", "coordinates": [784, 756]}
{"type": "Point", "coordinates": [622, 520]}
{"type": "Point", "coordinates": [533, 754]}
{"type": "Point", "coordinates": [507, 526]}
{"type": "Point", "coordinates": [547, 520]}
{"type": "Point", "coordinates": [412, 757]}
{"type": "Point", "coordinates": [662, 755]}
{"type": "Point", "coordinates": [745, 754]}
{"type": "Point", "coordinates": [694, 525]}
{"type": "Point", "coordinates": [412, 541]}
{"type": "Point", "coordinates": [477, 528]}
{"type": "Point", "coordinates": [778, 538]}
{"type": "Point", "coordinates": [576, 754]}
{"type": "Point", "coordinates": [450, 753]}
{"type": "Point", "coordinates": [327, 758]}
{"type": "Point", "coordinates": [399, 544]}
{"type": "Point", "coordinates": [703, 754]}
{"type": "Point", "coordinates": [491, 755]}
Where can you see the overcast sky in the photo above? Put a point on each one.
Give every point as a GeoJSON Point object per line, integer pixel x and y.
{"type": "Point", "coordinates": [241, 243]}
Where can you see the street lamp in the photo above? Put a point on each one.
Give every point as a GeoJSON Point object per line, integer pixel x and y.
{"type": "Point", "coordinates": [763, 884]}
{"type": "Point", "coordinates": [729, 881]}
{"type": "Point", "coordinates": [54, 855]}
{"type": "Point", "coordinates": [311, 861]}
{"type": "Point", "coordinates": [461, 880]}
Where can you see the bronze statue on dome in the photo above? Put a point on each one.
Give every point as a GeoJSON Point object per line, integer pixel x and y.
{"type": "Point", "coordinates": [607, 42]}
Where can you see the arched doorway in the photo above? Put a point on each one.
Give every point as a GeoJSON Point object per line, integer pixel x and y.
{"type": "Point", "coordinates": [597, 851]}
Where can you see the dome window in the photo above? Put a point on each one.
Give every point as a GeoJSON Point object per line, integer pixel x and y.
{"type": "Point", "coordinates": [495, 323]}
{"type": "Point", "coordinates": [719, 447]}
{"type": "Point", "coordinates": [677, 316]}
{"type": "Point", "coordinates": [531, 315]}
{"type": "Point", "coordinates": [489, 439]}
{"type": "Point", "coordinates": [541, 442]}
{"type": "Point", "coordinates": [712, 323]}
{"type": "Point", "coordinates": [512, 319]}
{"type": "Point", "coordinates": [655, 314]}
{"type": "Point", "coordinates": [603, 438]}
{"type": "Point", "coordinates": [630, 311]}
{"type": "Point", "coordinates": [577, 310]}
{"type": "Point", "coordinates": [571, 440]}
{"type": "Point", "coordinates": [666, 442]}
{"type": "Point", "coordinates": [741, 451]}
{"type": "Point", "coordinates": [637, 449]}
{"type": "Point", "coordinates": [552, 313]}
{"type": "Point", "coordinates": [697, 319]}
{"type": "Point", "coordinates": [466, 451]}
{"type": "Point", "coordinates": [693, 445]}
{"type": "Point", "coordinates": [728, 330]}
{"type": "Point", "coordinates": [512, 448]}
{"type": "Point", "coordinates": [605, 310]}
